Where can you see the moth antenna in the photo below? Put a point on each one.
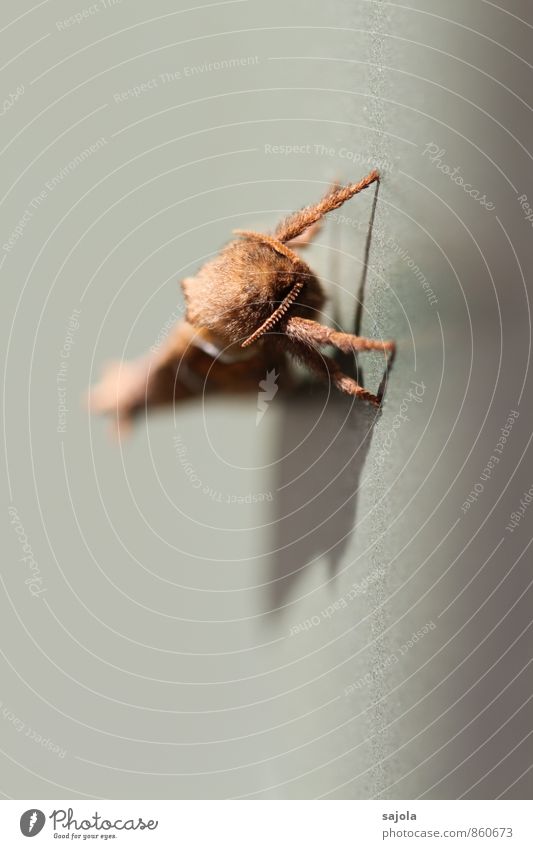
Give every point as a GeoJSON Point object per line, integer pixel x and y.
{"type": "Point", "coordinates": [276, 316]}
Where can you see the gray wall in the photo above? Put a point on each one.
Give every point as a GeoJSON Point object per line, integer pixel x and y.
{"type": "Point", "coordinates": [222, 608]}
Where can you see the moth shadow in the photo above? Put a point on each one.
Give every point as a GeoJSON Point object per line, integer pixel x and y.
{"type": "Point", "coordinates": [322, 450]}
{"type": "Point", "coordinates": [324, 443]}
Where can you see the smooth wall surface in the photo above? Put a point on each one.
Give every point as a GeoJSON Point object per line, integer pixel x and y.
{"type": "Point", "coordinates": [326, 602]}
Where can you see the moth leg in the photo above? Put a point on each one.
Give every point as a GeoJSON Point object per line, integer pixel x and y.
{"type": "Point", "coordinates": [362, 284]}
{"type": "Point", "coordinates": [306, 236]}
{"type": "Point", "coordinates": [299, 221]}
{"type": "Point", "coordinates": [312, 332]}
{"type": "Point", "coordinates": [326, 368]}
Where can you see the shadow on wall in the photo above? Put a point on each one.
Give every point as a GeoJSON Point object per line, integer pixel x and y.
{"type": "Point", "coordinates": [325, 438]}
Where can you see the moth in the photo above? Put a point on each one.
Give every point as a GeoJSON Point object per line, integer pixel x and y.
{"type": "Point", "coordinates": [256, 303]}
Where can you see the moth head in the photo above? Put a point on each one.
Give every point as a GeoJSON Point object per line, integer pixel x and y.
{"type": "Point", "coordinates": [245, 290]}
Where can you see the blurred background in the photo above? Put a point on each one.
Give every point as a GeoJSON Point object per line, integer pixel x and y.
{"type": "Point", "coordinates": [328, 602]}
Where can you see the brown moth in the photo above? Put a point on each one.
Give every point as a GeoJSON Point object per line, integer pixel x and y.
{"type": "Point", "coordinates": [247, 309]}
